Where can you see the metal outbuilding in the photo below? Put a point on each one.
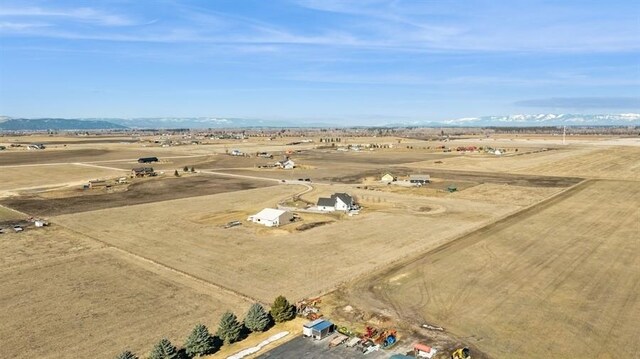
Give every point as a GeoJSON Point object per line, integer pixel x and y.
{"type": "Point", "coordinates": [318, 329]}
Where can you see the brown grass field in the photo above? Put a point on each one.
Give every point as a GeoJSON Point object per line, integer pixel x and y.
{"type": "Point", "coordinates": [78, 296]}
{"type": "Point", "coordinates": [559, 280]}
{"type": "Point", "coordinates": [297, 264]}
{"type": "Point", "coordinates": [524, 261]}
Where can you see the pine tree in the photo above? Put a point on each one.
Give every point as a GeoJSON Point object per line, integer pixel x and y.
{"type": "Point", "coordinates": [199, 342]}
{"type": "Point", "coordinates": [176, 173]}
{"type": "Point", "coordinates": [193, 169]}
{"type": "Point", "coordinates": [164, 350]}
{"type": "Point", "coordinates": [126, 355]}
{"type": "Point", "coordinates": [229, 329]}
{"type": "Point", "coordinates": [257, 318]}
{"type": "Point", "coordinates": [282, 310]}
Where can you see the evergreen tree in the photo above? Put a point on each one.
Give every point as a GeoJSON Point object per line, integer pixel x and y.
{"type": "Point", "coordinates": [164, 350]}
{"type": "Point", "coordinates": [282, 310]}
{"type": "Point", "coordinates": [257, 318]}
{"type": "Point", "coordinates": [176, 173]}
{"type": "Point", "coordinates": [193, 169]}
{"type": "Point", "coordinates": [126, 355]}
{"type": "Point", "coordinates": [199, 342]}
{"type": "Point", "coordinates": [229, 329]}
{"type": "Point", "coordinates": [185, 169]}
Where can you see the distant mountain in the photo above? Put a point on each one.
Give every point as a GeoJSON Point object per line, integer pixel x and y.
{"type": "Point", "coordinates": [43, 124]}
{"type": "Point", "coordinates": [624, 119]}
{"type": "Point", "coordinates": [203, 122]}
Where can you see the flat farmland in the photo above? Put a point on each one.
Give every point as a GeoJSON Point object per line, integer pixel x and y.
{"type": "Point", "coordinates": [619, 162]}
{"type": "Point", "coordinates": [100, 303]}
{"type": "Point", "coordinates": [262, 262]}
{"type": "Point", "coordinates": [560, 279]}
{"type": "Point", "coordinates": [114, 152]}
{"type": "Point", "coordinates": [15, 178]}
{"type": "Point", "coordinates": [147, 191]}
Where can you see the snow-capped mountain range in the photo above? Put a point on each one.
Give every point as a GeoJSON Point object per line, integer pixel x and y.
{"type": "Point", "coordinates": [548, 119]}
{"type": "Point", "coordinates": [521, 120]}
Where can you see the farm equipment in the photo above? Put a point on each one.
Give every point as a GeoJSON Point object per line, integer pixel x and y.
{"type": "Point", "coordinates": [337, 340]}
{"type": "Point", "coordinates": [452, 188]}
{"type": "Point", "coordinates": [370, 332]}
{"type": "Point", "coordinates": [387, 338]}
{"type": "Point", "coordinates": [461, 353]}
{"type": "Point", "coordinates": [346, 331]}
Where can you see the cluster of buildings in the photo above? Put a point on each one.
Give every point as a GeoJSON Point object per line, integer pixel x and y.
{"type": "Point", "coordinates": [414, 179]}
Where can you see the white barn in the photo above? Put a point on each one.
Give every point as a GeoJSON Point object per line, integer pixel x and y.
{"type": "Point", "coordinates": [271, 217]}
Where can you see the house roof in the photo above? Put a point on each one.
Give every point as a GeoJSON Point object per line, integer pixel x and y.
{"type": "Point", "coordinates": [343, 197]}
{"type": "Point", "coordinates": [269, 214]}
{"type": "Point", "coordinates": [419, 177]}
{"type": "Point", "coordinates": [327, 202]}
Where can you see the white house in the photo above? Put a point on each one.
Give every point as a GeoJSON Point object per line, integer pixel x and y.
{"type": "Point", "coordinates": [337, 202]}
{"type": "Point", "coordinates": [271, 217]}
{"type": "Point", "coordinates": [286, 164]}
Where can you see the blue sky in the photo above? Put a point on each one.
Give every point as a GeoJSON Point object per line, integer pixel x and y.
{"type": "Point", "coordinates": [362, 61]}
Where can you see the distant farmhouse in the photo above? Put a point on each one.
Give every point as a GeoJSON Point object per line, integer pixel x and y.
{"type": "Point", "coordinates": [419, 179]}
{"type": "Point", "coordinates": [387, 178]}
{"type": "Point", "coordinates": [271, 217]}
{"type": "Point", "coordinates": [337, 202]}
{"type": "Point", "coordinates": [36, 146]}
{"type": "Point", "coordinates": [143, 172]}
{"type": "Point", "coordinates": [147, 159]}
{"type": "Point", "coordinates": [286, 164]}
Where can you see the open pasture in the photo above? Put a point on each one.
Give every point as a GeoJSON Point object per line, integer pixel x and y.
{"type": "Point", "coordinates": [621, 162]}
{"type": "Point", "coordinates": [20, 178]}
{"type": "Point", "coordinates": [100, 303]}
{"type": "Point", "coordinates": [558, 280]}
{"type": "Point", "coordinates": [264, 262]}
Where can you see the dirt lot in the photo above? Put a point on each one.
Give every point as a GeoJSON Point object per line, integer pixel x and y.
{"type": "Point", "coordinates": [317, 259]}
{"type": "Point", "coordinates": [568, 267]}
{"type": "Point", "coordinates": [147, 191]}
{"type": "Point", "coordinates": [115, 302]}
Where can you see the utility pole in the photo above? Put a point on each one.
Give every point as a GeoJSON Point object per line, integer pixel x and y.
{"type": "Point", "coordinates": [564, 135]}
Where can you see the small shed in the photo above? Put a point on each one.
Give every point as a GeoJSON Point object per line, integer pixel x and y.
{"type": "Point", "coordinates": [419, 179]}
{"type": "Point", "coordinates": [387, 178]}
{"type": "Point", "coordinates": [271, 217]}
{"type": "Point", "coordinates": [318, 329]}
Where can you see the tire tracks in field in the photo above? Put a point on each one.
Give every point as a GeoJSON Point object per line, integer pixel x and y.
{"type": "Point", "coordinates": [368, 284]}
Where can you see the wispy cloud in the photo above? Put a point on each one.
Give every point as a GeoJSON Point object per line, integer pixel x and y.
{"type": "Point", "coordinates": [583, 103]}
{"type": "Point", "coordinates": [82, 14]}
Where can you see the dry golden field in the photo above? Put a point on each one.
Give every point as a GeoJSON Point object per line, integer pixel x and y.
{"type": "Point", "coordinates": [64, 294]}
{"type": "Point", "coordinates": [264, 262]}
{"type": "Point", "coordinates": [517, 263]}
{"type": "Point", "coordinates": [559, 280]}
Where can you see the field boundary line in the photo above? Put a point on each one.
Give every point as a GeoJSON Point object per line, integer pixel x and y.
{"type": "Point", "coordinates": [168, 268]}
{"type": "Point", "coordinates": [447, 243]}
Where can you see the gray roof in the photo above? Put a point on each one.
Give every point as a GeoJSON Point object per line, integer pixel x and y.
{"type": "Point", "coordinates": [326, 202]}
{"type": "Point", "coordinates": [419, 177]}
{"type": "Point", "coordinates": [343, 197]}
